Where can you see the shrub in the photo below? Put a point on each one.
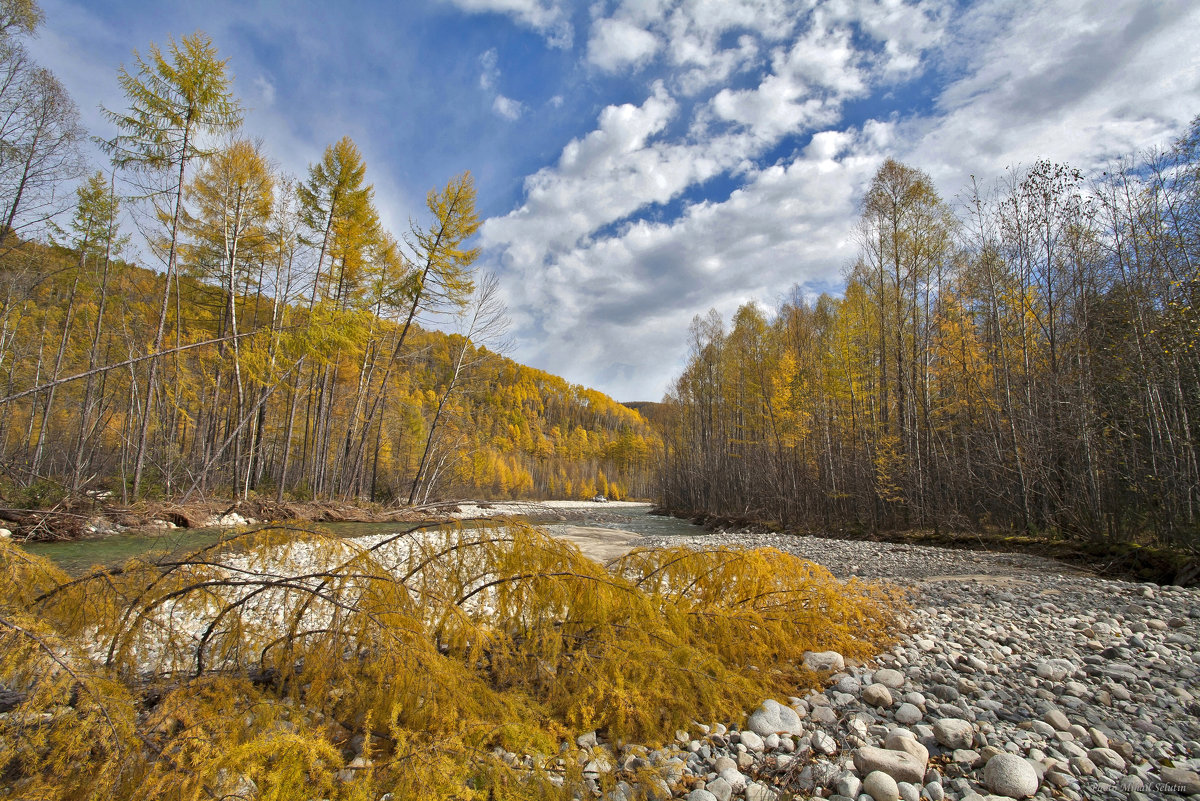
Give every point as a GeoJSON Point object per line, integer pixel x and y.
{"type": "Point", "coordinates": [262, 663]}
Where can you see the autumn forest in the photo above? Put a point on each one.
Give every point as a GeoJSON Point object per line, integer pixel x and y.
{"type": "Point", "coordinates": [1022, 356]}
{"type": "Point", "coordinates": [1027, 358]}
{"type": "Point", "coordinates": [280, 343]}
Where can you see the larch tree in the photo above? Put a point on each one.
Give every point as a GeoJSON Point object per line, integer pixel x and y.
{"type": "Point", "coordinates": [39, 131]}
{"type": "Point", "coordinates": [234, 199]}
{"type": "Point", "coordinates": [178, 101]}
{"type": "Point", "coordinates": [439, 278]}
{"type": "Point", "coordinates": [96, 237]}
{"type": "Point", "coordinates": [337, 210]}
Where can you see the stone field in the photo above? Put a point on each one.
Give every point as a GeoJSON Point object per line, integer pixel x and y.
{"type": "Point", "coordinates": [1016, 677]}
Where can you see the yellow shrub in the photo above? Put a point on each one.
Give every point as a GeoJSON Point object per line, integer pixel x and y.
{"type": "Point", "coordinates": [266, 662]}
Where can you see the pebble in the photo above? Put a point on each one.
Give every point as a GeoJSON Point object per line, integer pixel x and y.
{"type": "Point", "coordinates": [1025, 671]}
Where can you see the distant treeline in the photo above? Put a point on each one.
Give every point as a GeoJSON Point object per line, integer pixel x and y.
{"type": "Point", "coordinates": [1030, 361]}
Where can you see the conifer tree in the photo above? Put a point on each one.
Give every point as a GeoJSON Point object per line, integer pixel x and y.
{"type": "Point", "coordinates": [177, 102]}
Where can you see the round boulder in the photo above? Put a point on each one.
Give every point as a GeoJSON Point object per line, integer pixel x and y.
{"type": "Point", "coordinates": [774, 718]}
{"type": "Point", "coordinates": [1010, 775]}
{"type": "Point", "coordinates": [820, 661]}
{"type": "Point", "coordinates": [877, 695]}
{"type": "Point", "coordinates": [892, 679]}
{"type": "Point", "coordinates": [881, 786]}
{"type": "Point", "coordinates": [908, 714]}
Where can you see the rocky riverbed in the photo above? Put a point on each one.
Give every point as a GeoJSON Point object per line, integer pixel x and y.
{"type": "Point", "coordinates": [1015, 677]}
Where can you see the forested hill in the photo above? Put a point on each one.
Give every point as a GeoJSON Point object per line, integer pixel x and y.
{"type": "Point", "coordinates": [272, 341]}
{"type": "Point", "coordinates": [1028, 360]}
{"type": "Point", "coordinates": [302, 410]}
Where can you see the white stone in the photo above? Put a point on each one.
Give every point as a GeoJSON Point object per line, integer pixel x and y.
{"type": "Point", "coordinates": [824, 744]}
{"type": "Point", "coordinates": [737, 782]}
{"type": "Point", "coordinates": [774, 718]}
{"type": "Point", "coordinates": [752, 741]}
{"type": "Point", "coordinates": [759, 792]}
{"type": "Point", "coordinates": [1010, 775]}
{"type": "Point", "coordinates": [900, 765]}
{"type": "Point", "coordinates": [892, 679]}
{"type": "Point", "coordinates": [823, 660]}
{"type": "Point", "coordinates": [908, 714]}
{"type": "Point", "coordinates": [720, 787]}
{"type": "Point", "coordinates": [901, 740]}
{"type": "Point", "coordinates": [1055, 669]}
{"type": "Point", "coordinates": [881, 786]}
{"type": "Point", "coordinates": [849, 785]}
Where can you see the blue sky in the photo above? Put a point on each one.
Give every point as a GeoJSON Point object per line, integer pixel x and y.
{"type": "Point", "coordinates": [641, 161]}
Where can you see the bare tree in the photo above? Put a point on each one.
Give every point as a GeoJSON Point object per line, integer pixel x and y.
{"type": "Point", "coordinates": [483, 324]}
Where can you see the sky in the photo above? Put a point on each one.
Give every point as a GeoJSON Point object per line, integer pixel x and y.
{"type": "Point", "coordinates": [639, 162]}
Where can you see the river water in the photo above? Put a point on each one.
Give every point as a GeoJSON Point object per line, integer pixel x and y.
{"type": "Point", "coordinates": [602, 531]}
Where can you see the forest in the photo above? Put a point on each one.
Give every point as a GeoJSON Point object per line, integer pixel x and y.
{"type": "Point", "coordinates": [1025, 360]}
{"type": "Point", "coordinates": [280, 342]}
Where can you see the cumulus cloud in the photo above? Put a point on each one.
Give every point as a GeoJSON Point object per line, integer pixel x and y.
{"type": "Point", "coordinates": [805, 89]}
{"type": "Point", "coordinates": [548, 17]}
{"type": "Point", "coordinates": [508, 108]}
{"type": "Point", "coordinates": [604, 286]}
{"type": "Point", "coordinates": [617, 308]}
{"type": "Point", "coordinates": [616, 44]}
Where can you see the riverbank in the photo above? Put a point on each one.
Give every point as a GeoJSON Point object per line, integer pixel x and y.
{"type": "Point", "coordinates": [1013, 675]}
{"type": "Point", "coordinates": [96, 518]}
{"type": "Point", "coordinates": [1118, 560]}
{"type": "Point", "coordinates": [1016, 675]}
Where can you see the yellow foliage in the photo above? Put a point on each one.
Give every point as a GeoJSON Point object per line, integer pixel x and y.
{"type": "Point", "coordinates": [265, 662]}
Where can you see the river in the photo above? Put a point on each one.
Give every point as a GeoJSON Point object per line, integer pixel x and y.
{"type": "Point", "coordinates": [602, 531]}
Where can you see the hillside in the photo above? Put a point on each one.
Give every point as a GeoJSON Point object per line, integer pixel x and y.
{"type": "Point", "coordinates": [305, 409]}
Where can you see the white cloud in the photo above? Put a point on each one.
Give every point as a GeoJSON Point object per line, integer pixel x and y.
{"type": "Point", "coordinates": [489, 71]}
{"type": "Point", "coordinates": [604, 176]}
{"type": "Point", "coordinates": [548, 17]}
{"type": "Point", "coordinates": [616, 44]}
{"type": "Point", "coordinates": [603, 288]}
{"type": "Point", "coordinates": [1082, 81]}
{"type": "Point", "coordinates": [265, 90]}
{"type": "Point", "coordinates": [617, 309]}
{"type": "Point", "coordinates": [805, 89]}
{"type": "Point", "coordinates": [489, 77]}
{"type": "Point", "coordinates": [508, 108]}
